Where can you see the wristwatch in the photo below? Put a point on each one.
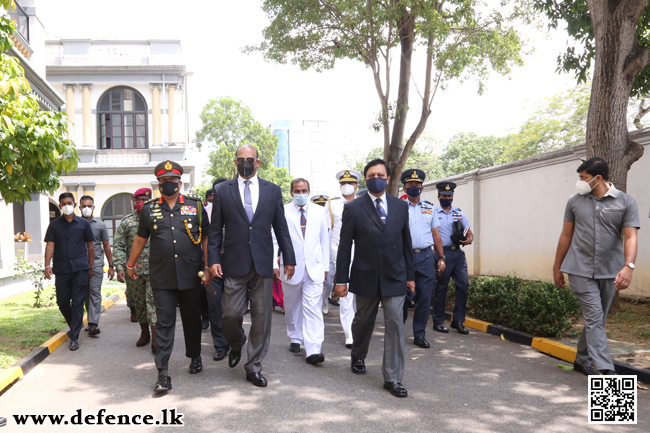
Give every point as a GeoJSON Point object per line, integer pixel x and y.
{"type": "Point", "coordinates": [111, 266]}
{"type": "Point", "coordinates": [443, 257]}
{"type": "Point", "coordinates": [630, 265]}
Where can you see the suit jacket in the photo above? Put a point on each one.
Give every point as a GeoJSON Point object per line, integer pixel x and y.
{"type": "Point", "coordinates": [383, 255]}
{"type": "Point", "coordinates": [245, 242]}
{"type": "Point", "coordinates": [312, 251]}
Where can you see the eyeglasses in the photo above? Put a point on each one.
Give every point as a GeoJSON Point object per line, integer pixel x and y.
{"type": "Point", "coordinates": [241, 160]}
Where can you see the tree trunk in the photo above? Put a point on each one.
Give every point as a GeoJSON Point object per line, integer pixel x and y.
{"type": "Point", "coordinates": [619, 58]}
{"type": "Point", "coordinates": [406, 33]}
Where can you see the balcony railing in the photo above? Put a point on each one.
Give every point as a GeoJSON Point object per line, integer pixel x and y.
{"type": "Point", "coordinates": [22, 21]}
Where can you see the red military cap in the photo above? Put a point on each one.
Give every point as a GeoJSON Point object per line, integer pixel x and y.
{"type": "Point", "coordinates": [142, 191]}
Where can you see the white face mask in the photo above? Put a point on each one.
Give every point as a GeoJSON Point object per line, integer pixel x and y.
{"type": "Point", "coordinates": [67, 210]}
{"type": "Point", "coordinates": [87, 212]}
{"type": "Point", "coordinates": [347, 189]}
{"type": "Point", "coordinates": [585, 187]}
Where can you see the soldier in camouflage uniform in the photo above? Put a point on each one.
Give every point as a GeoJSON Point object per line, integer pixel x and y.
{"type": "Point", "coordinates": [138, 291]}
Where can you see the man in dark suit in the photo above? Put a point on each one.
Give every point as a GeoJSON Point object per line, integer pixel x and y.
{"type": "Point", "coordinates": [243, 211]}
{"type": "Point", "coordinates": [383, 270]}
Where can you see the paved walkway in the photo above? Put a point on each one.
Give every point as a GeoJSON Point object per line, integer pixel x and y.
{"type": "Point", "coordinates": [474, 383]}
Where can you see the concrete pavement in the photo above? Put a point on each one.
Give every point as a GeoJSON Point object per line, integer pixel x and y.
{"type": "Point", "coordinates": [474, 382]}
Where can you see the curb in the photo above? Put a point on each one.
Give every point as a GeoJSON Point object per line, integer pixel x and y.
{"type": "Point", "coordinates": [546, 346]}
{"type": "Point", "coordinates": [12, 374]}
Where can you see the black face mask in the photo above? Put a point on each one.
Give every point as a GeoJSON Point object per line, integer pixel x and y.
{"type": "Point", "coordinates": [446, 202]}
{"type": "Point", "coordinates": [168, 188]}
{"type": "Point", "coordinates": [246, 170]}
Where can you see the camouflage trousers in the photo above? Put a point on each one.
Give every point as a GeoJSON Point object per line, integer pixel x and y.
{"type": "Point", "coordinates": [140, 296]}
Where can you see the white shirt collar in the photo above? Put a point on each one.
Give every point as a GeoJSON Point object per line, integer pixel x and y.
{"type": "Point", "coordinates": [383, 199]}
{"type": "Point", "coordinates": [253, 180]}
{"type": "Point", "coordinates": [612, 191]}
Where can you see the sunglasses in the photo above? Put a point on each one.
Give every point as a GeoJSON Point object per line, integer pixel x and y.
{"type": "Point", "coordinates": [241, 160]}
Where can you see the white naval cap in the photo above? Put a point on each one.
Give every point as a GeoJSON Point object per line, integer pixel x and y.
{"type": "Point", "coordinates": [348, 175]}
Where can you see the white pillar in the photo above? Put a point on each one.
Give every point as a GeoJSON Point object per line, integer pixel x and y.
{"type": "Point", "coordinates": [87, 114]}
{"type": "Point", "coordinates": [70, 109]}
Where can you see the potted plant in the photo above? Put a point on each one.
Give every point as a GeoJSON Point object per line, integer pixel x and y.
{"type": "Point", "coordinates": [21, 244]}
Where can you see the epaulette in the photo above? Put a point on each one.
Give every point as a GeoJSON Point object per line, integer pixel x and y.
{"type": "Point", "coordinates": [193, 198]}
{"type": "Point", "coordinates": [428, 202]}
{"type": "Point", "coordinates": [150, 200]}
{"type": "Point", "coordinates": [459, 209]}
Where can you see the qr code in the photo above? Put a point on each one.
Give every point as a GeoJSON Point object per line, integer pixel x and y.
{"type": "Point", "coordinates": [612, 399]}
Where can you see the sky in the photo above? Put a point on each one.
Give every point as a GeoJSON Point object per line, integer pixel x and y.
{"type": "Point", "coordinates": [213, 33]}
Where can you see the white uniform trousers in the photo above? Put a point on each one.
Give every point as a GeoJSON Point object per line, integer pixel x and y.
{"type": "Point", "coordinates": [328, 286]}
{"type": "Point", "coordinates": [303, 314]}
{"type": "Point", "coordinates": [347, 310]}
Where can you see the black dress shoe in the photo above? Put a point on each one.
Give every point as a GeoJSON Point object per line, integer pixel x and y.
{"type": "Point", "coordinates": [163, 384]}
{"type": "Point", "coordinates": [440, 328]}
{"type": "Point", "coordinates": [458, 326]}
{"type": "Point", "coordinates": [421, 342]}
{"type": "Point", "coordinates": [608, 372]}
{"type": "Point", "coordinates": [93, 329]}
{"type": "Point", "coordinates": [358, 366]}
{"type": "Point", "coordinates": [234, 358]}
{"type": "Point", "coordinates": [196, 366]}
{"type": "Point", "coordinates": [205, 324]}
{"type": "Point", "coordinates": [74, 345]}
{"type": "Point", "coordinates": [335, 303]}
{"type": "Point", "coordinates": [396, 389]}
{"type": "Point", "coordinates": [586, 370]}
{"type": "Point", "coordinates": [316, 358]}
{"type": "Point", "coordinates": [257, 379]}
{"type": "Point", "coordinates": [219, 354]}
{"type": "Point", "coordinates": [294, 347]}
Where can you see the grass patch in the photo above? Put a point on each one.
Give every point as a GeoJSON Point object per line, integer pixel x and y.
{"type": "Point", "coordinates": [23, 327]}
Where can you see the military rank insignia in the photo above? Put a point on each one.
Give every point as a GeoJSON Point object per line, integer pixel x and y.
{"type": "Point", "coordinates": [188, 210]}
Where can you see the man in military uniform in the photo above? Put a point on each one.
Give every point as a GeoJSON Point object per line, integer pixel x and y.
{"type": "Point", "coordinates": [138, 291]}
{"type": "Point", "coordinates": [455, 232]}
{"type": "Point", "coordinates": [178, 227]}
{"type": "Point", "coordinates": [349, 182]}
{"type": "Point", "coordinates": [328, 284]}
{"type": "Point", "coordinates": [424, 234]}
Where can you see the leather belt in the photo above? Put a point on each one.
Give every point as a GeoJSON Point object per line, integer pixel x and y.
{"type": "Point", "coordinates": [453, 247]}
{"type": "Point", "coordinates": [421, 250]}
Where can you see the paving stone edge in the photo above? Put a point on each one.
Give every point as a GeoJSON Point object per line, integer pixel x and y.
{"type": "Point", "coordinates": [12, 374]}
{"type": "Point", "coordinates": [548, 347]}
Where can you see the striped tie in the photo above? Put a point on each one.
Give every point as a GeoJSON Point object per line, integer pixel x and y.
{"type": "Point", "coordinates": [381, 211]}
{"type": "Point", "coordinates": [303, 222]}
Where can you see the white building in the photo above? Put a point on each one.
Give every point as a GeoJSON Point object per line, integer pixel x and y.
{"type": "Point", "coordinates": [126, 102]}
{"type": "Point", "coordinates": [315, 150]}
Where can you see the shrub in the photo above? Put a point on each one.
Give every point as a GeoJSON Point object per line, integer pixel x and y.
{"type": "Point", "coordinates": [534, 307]}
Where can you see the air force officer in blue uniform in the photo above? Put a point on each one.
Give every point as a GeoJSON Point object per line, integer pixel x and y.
{"type": "Point", "coordinates": [423, 223]}
{"type": "Point", "coordinates": [455, 232]}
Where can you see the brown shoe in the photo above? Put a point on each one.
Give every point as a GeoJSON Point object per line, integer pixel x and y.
{"type": "Point", "coordinates": [153, 339]}
{"type": "Point", "coordinates": [144, 335]}
{"type": "Point", "coordinates": [134, 315]}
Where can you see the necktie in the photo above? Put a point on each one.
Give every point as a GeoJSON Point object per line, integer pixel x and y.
{"type": "Point", "coordinates": [303, 222]}
{"type": "Point", "coordinates": [248, 201]}
{"type": "Point", "coordinates": [381, 211]}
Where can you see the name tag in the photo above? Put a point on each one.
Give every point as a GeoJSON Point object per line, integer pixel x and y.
{"type": "Point", "coordinates": [188, 210]}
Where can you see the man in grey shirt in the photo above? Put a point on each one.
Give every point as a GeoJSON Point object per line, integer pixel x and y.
{"type": "Point", "coordinates": [591, 251]}
{"type": "Point", "coordinates": [101, 244]}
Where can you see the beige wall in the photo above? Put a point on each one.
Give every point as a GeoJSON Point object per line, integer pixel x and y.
{"type": "Point", "coordinates": [516, 211]}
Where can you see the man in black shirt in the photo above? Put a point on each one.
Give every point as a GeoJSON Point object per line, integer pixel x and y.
{"type": "Point", "coordinates": [69, 240]}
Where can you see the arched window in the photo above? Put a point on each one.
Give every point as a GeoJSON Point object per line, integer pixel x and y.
{"type": "Point", "coordinates": [116, 208]}
{"type": "Point", "coordinates": [122, 121]}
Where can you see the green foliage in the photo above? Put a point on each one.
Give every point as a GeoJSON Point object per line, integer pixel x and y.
{"type": "Point", "coordinates": [36, 274]}
{"type": "Point", "coordinates": [535, 307]}
{"type": "Point", "coordinates": [467, 151]}
{"type": "Point", "coordinates": [229, 124]}
{"type": "Point", "coordinates": [34, 152]}
{"type": "Point", "coordinates": [581, 50]}
{"type": "Point", "coordinates": [559, 122]}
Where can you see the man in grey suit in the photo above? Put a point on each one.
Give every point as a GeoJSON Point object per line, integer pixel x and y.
{"type": "Point", "coordinates": [383, 270]}
{"type": "Point", "coordinates": [243, 211]}
{"type": "Point", "coordinates": [598, 263]}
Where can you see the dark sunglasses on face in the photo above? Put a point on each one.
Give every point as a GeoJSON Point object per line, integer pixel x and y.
{"type": "Point", "coordinates": [241, 160]}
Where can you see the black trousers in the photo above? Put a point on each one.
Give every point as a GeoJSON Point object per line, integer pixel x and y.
{"type": "Point", "coordinates": [205, 307]}
{"type": "Point", "coordinates": [216, 313]}
{"type": "Point", "coordinates": [71, 290]}
{"type": "Point", "coordinates": [166, 301]}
